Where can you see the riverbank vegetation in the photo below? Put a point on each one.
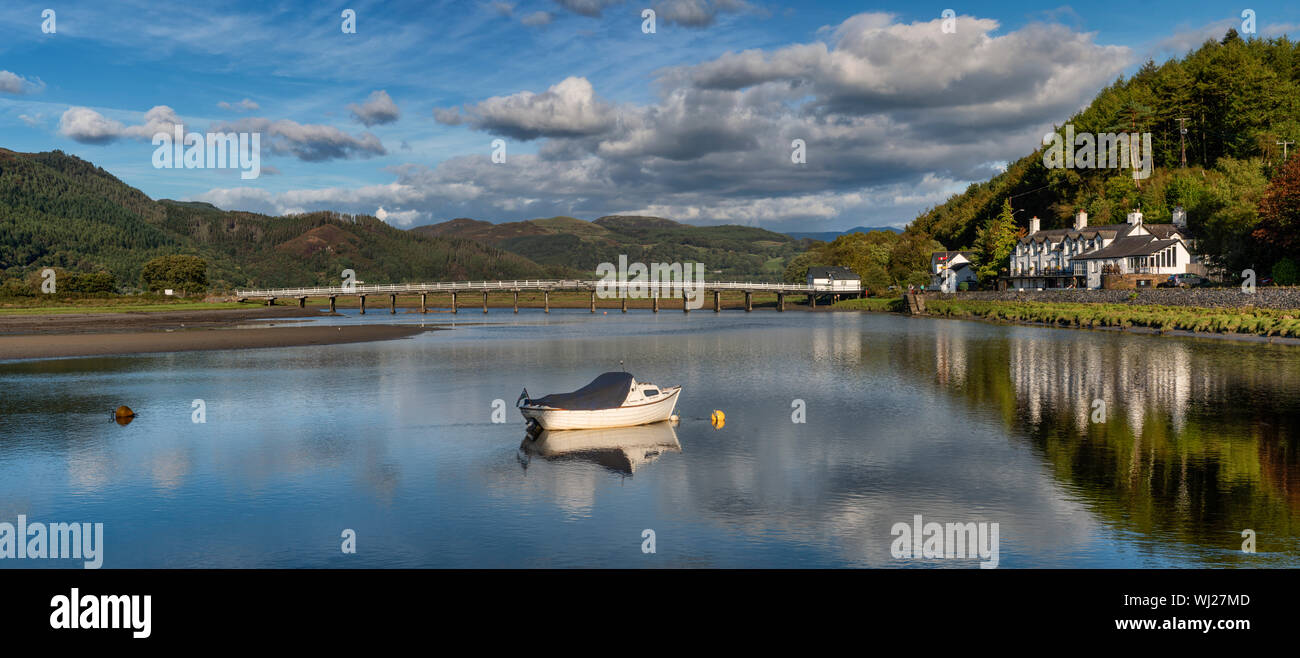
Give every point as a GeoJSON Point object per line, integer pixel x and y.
{"type": "Point", "coordinates": [881, 258]}
{"type": "Point", "coordinates": [1256, 321]}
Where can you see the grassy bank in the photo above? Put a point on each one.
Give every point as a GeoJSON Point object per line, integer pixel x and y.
{"type": "Point", "coordinates": [878, 304]}
{"type": "Point", "coordinates": [1261, 322]}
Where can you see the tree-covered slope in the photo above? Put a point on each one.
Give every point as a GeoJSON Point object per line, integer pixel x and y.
{"type": "Point", "coordinates": [60, 211]}
{"type": "Point", "coordinates": [1238, 98]}
{"type": "Point", "coordinates": [725, 251]}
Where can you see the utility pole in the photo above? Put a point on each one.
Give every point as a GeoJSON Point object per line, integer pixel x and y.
{"type": "Point", "coordinates": [1284, 145]}
{"type": "Point", "coordinates": [1182, 134]}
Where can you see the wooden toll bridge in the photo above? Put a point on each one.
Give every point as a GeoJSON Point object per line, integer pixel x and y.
{"type": "Point", "coordinates": [615, 289]}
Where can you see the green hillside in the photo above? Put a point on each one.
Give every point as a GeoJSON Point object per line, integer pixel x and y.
{"type": "Point", "coordinates": [1239, 98]}
{"type": "Point", "coordinates": [725, 251]}
{"type": "Point", "coordinates": [60, 211]}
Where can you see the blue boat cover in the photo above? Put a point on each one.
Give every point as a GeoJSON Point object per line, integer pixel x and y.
{"type": "Point", "coordinates": [605, 392]}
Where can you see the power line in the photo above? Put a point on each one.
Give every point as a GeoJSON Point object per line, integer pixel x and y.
{"type": "Point", "coordinates": [1284, 145]}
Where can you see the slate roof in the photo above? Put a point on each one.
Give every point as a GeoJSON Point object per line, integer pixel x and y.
{"type": "Point", "coordinates": [833, 272]}
{"type": "Point", "coordinates": [1137, 245]}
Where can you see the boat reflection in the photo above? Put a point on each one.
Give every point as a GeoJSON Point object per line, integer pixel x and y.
{"type": "Point", "coordinates": [620, 449]}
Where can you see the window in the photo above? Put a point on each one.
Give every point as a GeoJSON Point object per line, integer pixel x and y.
{"type": "Point", "coordinates": [649, 392]}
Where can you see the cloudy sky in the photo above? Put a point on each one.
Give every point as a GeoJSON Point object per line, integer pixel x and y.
{"type": "Point", "coordinates": [694, 121]}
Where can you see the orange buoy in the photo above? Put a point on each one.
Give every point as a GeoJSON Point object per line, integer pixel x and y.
{"type": "Point", "coordinates": [123, 415]}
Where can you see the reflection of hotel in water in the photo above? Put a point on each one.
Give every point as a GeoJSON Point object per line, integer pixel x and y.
{"type": "Point", "coordinates": [1066, 376]}
{"type": "Point", "coordinates": [1133, 380]}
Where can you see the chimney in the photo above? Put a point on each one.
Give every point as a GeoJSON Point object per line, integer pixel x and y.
{"type": "Point", "coordinates": [1081, 220]}
{"type": "Point", "coordinates": [1033, 225]}
{"type": "Point", "coordinates": [1135, 218]}
{"type": "Point", "coordinates": [1180, 217]}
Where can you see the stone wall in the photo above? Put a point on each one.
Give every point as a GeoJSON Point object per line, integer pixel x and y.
{"type": "Point", "coordinates": [1228, 297]}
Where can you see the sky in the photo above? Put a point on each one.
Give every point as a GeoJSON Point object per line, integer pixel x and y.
{"type": "Point", "coordinates": [897, 107]}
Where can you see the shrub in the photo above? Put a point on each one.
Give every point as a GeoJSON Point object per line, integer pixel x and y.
{"type": "Point", "coordinates": [16, 288]}
{"type": "Point", "coordinates": [1285, 273]}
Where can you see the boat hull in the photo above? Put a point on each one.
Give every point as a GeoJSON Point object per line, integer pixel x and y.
{"type": "Point", "coordinates": [581, 419]}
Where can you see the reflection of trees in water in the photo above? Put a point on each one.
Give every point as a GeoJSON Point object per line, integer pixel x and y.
{"type": "Point", "coordinates": [1199, 441]}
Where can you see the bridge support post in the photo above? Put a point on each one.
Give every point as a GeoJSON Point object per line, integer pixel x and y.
{"type": "Point", "coordinates": [485, 301]}
{"type": "Point", "coordinates": [686, 306]}
{"type": "Point", "coordinates": [593, 301]}
{"type": "Point", "coordinates": [749, 300]}
{"type": "Point", "coordinates": [717, 301]}
{"type": "Point", "coordinates": [812, 300]}
{"type": "Point", "coordinates": [363, 303]}
{"type": "Point", "coordinates": [654, 302]}
{"type": "Point", "coordinates": [424, 302]}
{"type": "Point", "coordinates": [516, 301]}
{"type": "Point", "coordinates": [546, 301]}
{"type": "Point", "coordinates": [625, 302]}
{"type": "Point", "coordinates": [392, 304]}
{"type": "Point", "coordinates": [453, 302]}
{"type": "Point", "coordinates": [333, 307]}
{"type": "Point", "coordinates": [780, 301]}
{"type": "Point", "coordinates": [302, 302]}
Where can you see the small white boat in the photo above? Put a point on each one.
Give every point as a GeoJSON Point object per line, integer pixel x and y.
{"type": "Point", "coordinates": [614, 399]}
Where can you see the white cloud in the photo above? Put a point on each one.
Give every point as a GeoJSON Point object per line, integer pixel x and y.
{"type": "Point", "coordinates": [245, 105]}
{"type": "Point", "coordinates": [377, 109]}
{"type": "Point", "coordinates": [307, 142]}
{"type": "Point", "coordinates": [12, 83]}
{"type": "Point", "coordinates": [90, 127]}
{"type": "Point", "coordinates": [398, 217]}
{"type": "Point", "coordinates": [592, 8]}
{"type": "Point", "coordinates": [537, 18]}
{"type": "Point", "coordinates": [568, 108]}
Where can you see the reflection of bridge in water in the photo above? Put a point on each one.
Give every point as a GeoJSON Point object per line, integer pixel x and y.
{"type": "Point", "coordinates": [622, 290]}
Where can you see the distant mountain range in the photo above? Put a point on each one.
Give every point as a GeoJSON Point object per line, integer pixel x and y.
{"type": "Point", "coordinates": [57, 210]}
{"type": "Point", "coordinates": [727, 251]}
{"type": "Point", "coordinates": [827, 236]}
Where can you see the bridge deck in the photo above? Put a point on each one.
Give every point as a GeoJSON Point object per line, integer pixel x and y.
{"type": "Point", "coordinates": [618, 288]}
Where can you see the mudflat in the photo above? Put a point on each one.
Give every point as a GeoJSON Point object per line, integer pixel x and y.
{"type": "Point", "coordinates": [100, 334]}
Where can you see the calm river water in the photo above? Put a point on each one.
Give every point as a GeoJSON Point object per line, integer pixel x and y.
{"type": "Point", "coordinates": [951, 420]}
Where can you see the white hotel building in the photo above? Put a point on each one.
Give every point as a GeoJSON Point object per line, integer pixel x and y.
{"type": "Point", "coordinates": [1135, 252]}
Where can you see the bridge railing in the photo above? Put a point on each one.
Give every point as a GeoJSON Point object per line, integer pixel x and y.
{"type": "Point", "coordinates": [537, 284]}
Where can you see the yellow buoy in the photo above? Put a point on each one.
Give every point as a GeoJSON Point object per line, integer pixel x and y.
{"type": "Point", "coordinates": [719, 419]}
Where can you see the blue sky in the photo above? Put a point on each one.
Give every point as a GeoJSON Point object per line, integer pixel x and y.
{"type": "Point", "coordinates": [693, 122]}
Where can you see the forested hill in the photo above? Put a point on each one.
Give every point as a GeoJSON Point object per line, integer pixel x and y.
{"type": "Point", "coordinates": [726, 251]}
{"type": "Point", "coordinates": [1240, 98]}
{"type": "Point", "coordinates": [57, 210]}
